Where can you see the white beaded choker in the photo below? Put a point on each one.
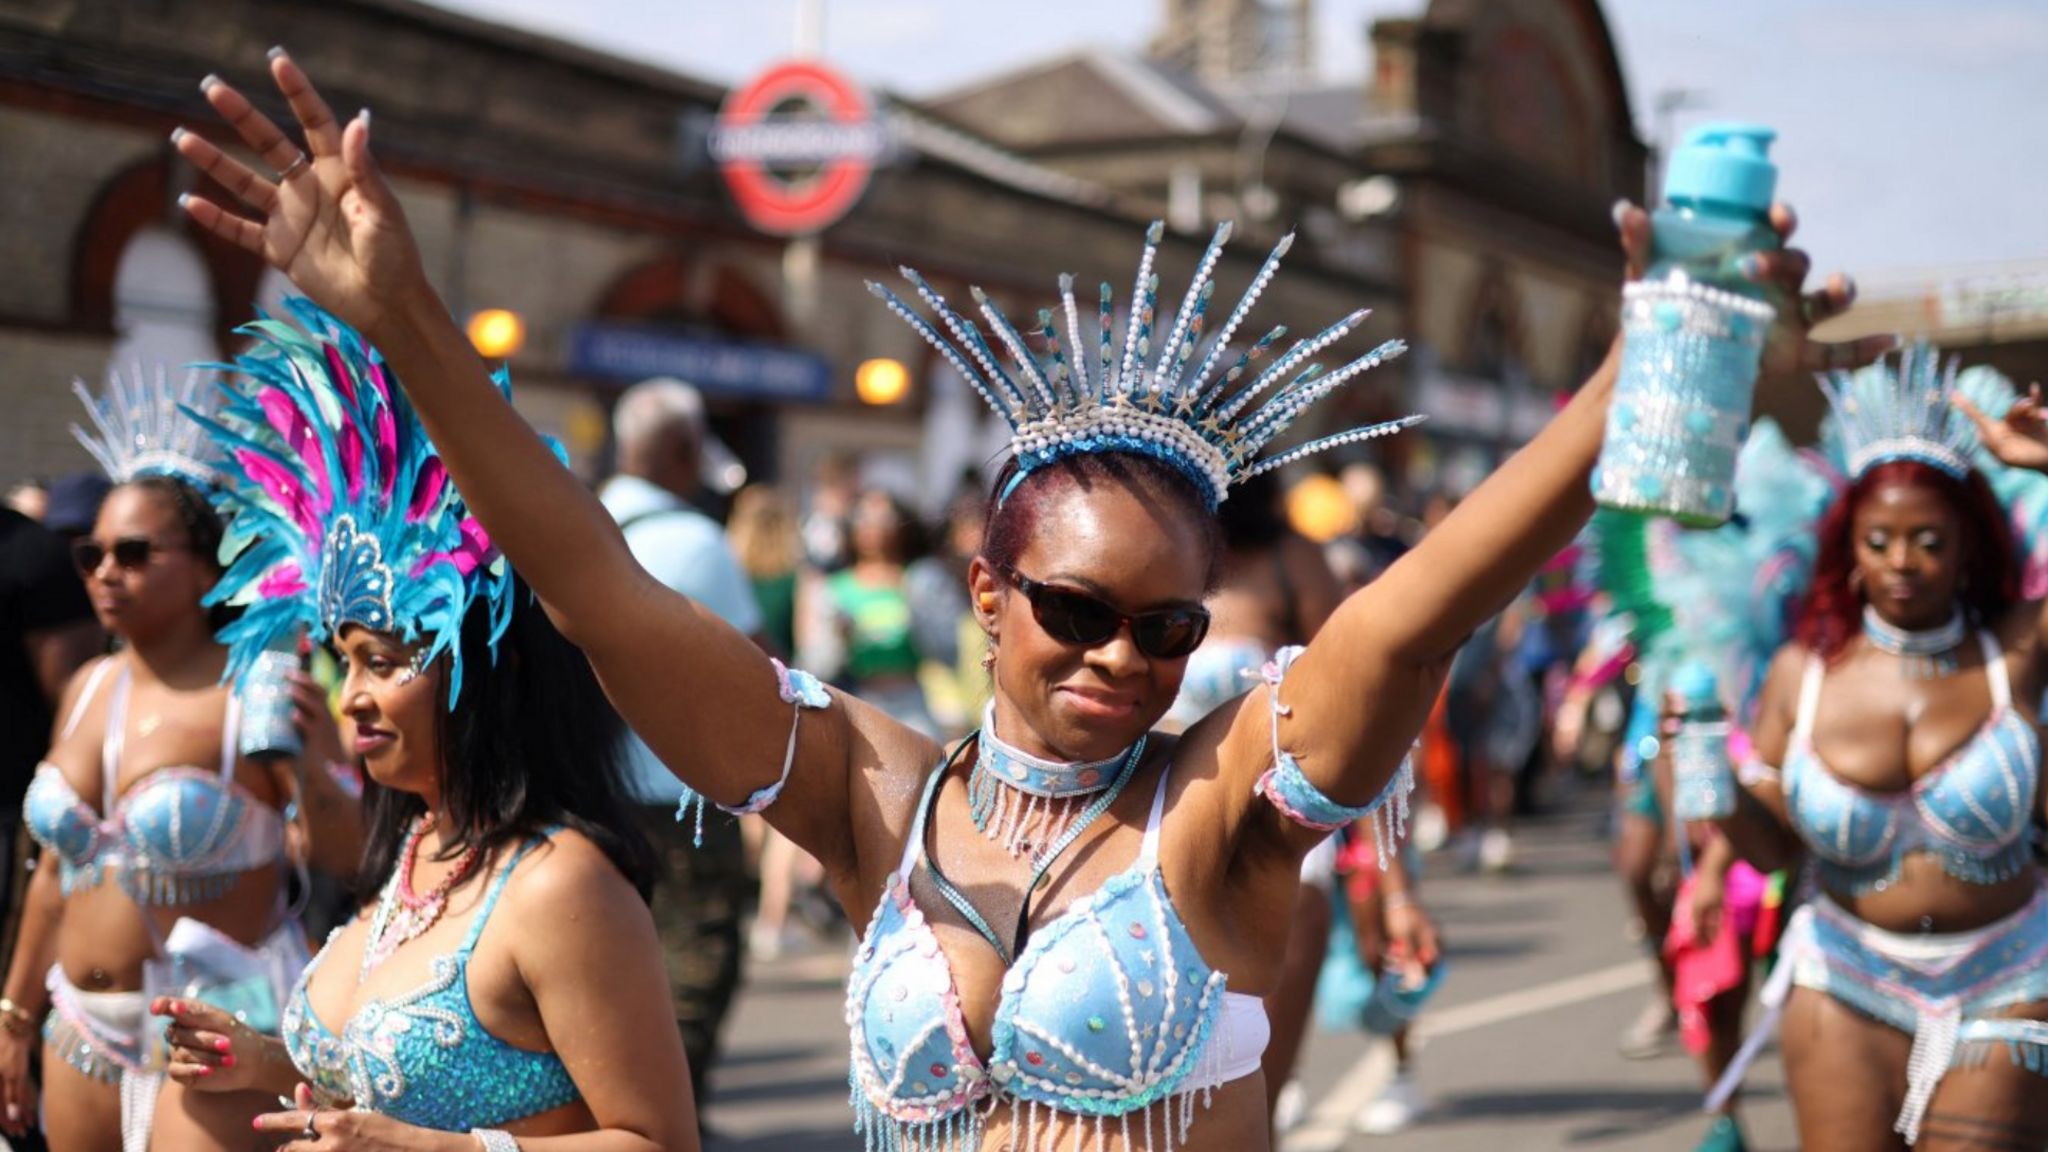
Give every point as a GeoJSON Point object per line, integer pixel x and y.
{"type": "Point", "coordinates": [1023, 802]}
{"type": "Point", "coordinates": [1925, 655]}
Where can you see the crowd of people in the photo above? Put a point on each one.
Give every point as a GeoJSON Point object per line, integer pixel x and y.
{"type": "Point", "coordinates": [338, 651]}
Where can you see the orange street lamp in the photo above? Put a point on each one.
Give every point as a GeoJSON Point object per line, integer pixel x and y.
{"type": "Point", "coordinates": [881, 381]}
{"type": "Point", "coordinates": [497, 333]}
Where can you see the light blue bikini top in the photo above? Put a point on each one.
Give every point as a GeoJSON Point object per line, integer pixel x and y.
{"type": "Point", "coordinates": [424, 1058]}
{"type": "Point", "coordinates": [1971, 811]}
{"type": "Point", "coordinates": [179, 835]}
{"type": "Point", "coordinates": [1107, 1010]}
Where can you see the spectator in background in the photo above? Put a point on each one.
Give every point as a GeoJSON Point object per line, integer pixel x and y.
{"type": "Point", "coordinates": [1380, 531]}
{"type": "Point", "coordinates": [700, 892]}
{"type": "Point", "coordinates": [949, 640]}
{"type": "Point", "coordinates": [29, 498]}
{"type": "Point", "coordinates": [835, 485]}
{"type": "Point", "coordinates": [763, 534]}
{"type": "Point", "coordinates": [866, 618]}
{"type": "Point", "coordinates": [47, 630]}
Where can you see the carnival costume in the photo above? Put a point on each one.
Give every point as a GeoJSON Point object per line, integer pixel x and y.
{"type": "Point", "coordinates": [1109, 1009]}
{"type": "Point", "coordinates": [345, 515]}
{"type": "Point", "coordinates": [181, 835]}
{"type": "Point", "coordinates": [1972, 812]}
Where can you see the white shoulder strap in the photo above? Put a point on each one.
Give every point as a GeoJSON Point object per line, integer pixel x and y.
{"type": "Point", "coordinates": [92, 687]}
{"type": "Point", "coordinates": [1148, 852]}
{"type": "Point", "coordinates": [1994, 671]}
{"type": "Point", "coordinates": [1809, 698]}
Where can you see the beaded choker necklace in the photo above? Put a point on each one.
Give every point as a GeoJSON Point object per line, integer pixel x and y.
{"type": "Point", "coordinates": [1024, 803]}
{"type": "Point", "coordinates": [1925, 655]}
{"type": "Point", "coordinates": [403, 914]}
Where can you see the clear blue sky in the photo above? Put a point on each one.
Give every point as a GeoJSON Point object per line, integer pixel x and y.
{"type": "Point", "coordinates": [1914, 132]}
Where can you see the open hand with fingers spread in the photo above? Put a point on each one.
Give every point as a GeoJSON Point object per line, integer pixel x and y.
{"type": "Point", "coordinates": [327, 218]}
{"type": "Point", "coordinates": [2020, 437]}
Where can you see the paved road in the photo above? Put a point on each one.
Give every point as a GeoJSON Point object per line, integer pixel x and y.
{"type": "Point", "coordinates": [1520, 1048]}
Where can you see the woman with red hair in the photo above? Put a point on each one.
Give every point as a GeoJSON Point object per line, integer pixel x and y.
{"type": "Point", "coordinates": [1896, 748]}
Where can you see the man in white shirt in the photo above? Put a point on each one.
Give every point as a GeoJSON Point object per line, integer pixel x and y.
{"type": "Point", "coordinates": [663, 446]}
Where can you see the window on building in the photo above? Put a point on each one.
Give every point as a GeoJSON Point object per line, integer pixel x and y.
{"type": "Point", "coordinates": [163, 304]}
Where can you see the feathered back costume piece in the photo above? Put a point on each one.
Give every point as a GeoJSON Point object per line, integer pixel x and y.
{"type": "Point", "coordinates": [342, 512]}
{"type": "Point", "coordinates": [141, 427]}
{"type": "Point", "coordinates": [1923, 389]}
{"type": "Point", "coordinates": [1067, 395]}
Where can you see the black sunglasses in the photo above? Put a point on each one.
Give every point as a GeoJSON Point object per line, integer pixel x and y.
{"type": "Point", "coordinates": [130, 553]}
{"type": "Point", "coordinates": [1078, 618]}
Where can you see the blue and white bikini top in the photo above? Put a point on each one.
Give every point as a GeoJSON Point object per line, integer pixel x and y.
{"type": "Point", "coordinates": [1971, 811]}
{"type": "Point", "coordinates": [180, 835]}
{"type": "Point", "coordinates": [424, 1058]}
{"type": "Point", "coordinates": [1108, 1009]}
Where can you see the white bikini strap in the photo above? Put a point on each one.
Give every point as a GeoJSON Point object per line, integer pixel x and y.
{"type": "Point", "coordinates": [230, 736]}
{"type": "Point", "coordinates": [114, 741]}
{"type": "Point", "coordinates": [92, 687]}
{"type": "Point", "coordinates": [1809, 698]}
{"type": "Point", "coordinates": [1994, 671]}
{"type": "Point", "coordinates": [1148, 851]}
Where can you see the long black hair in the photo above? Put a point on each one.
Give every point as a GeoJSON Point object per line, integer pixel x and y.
{"type": "Point", "coordinates": [531, 743]}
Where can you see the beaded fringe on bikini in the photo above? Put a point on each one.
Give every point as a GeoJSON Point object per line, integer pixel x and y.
{"type": "Point", "coordinates": [1036, 1127]}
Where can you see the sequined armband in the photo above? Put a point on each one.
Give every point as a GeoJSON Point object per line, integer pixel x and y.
{"type": "Point", "coordinates": [1290, 790]}
{"type": "Point", "coordinates": [1752, 772]}
{"type": "Point", "coordinates": [797, 688]}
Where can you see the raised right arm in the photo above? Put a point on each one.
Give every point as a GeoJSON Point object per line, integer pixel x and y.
{"type": "Point", "coordinates": [703, 697]}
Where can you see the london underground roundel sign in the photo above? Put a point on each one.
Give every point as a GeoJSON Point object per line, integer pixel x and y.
{"type": "Point", "coordinates": [797, 144]}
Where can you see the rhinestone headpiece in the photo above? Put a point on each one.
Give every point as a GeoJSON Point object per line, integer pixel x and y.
{"type": "Point", "coordinates": [143, 429]}
{"type": "Point", "coordinates": [1074, 397]}
{"type": "Point", "coordinates": [1883, 415]}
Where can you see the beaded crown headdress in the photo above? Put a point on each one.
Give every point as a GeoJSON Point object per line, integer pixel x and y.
{"type": "Point", "coordinates": [1078, 397]}
{"type": "Point", "coordinates": [1883, 414]}
{"type": "Point", "coordinates": [141, 427]}
{"type": "Point", "coordinates": [342, 510]}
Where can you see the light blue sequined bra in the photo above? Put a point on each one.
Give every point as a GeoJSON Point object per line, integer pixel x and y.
{"type": "Point", "coordinates": [1971, 811]}
{"type": "Point", "coordinates": [1106, 1011]}
{"type": "Point", "coordinates": [180, 835]}
{"type": "Point", "coordinates": [424, 1058]}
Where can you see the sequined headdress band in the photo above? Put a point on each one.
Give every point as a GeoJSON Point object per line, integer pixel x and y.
{"type": "Point", "coordinates": [1077, 397]}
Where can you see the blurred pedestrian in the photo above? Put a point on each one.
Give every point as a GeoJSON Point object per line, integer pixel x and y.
{"type": "Point", "coordinates": [702, 890]}
{"type": "Point", "coordinates": [828, 511]}
{"type": "Point", "coordinates": [763, 533]}
{"type": "Point", "coordinates": [867, 612]}
{"type": "Point", "coordinates": [950, 644]}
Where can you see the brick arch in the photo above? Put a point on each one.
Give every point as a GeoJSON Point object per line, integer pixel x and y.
{"type": "Point", "coordinates": [139, 197]}
{"type": "Point", "coordinates": [657, 289]}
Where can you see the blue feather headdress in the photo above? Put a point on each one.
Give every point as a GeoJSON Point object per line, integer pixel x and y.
{"type": "Point", "coordinates": [1882, 414]}
{"type": "Point", "coordinates": [342, 512]}
{"type": "Point", "coordinates": [1078, 397]}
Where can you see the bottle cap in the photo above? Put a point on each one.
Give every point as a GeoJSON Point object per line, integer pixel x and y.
{"type": "Point", "coordinates": [1694, 682]}
{"type": "Point", "coordinates": [1727, 164]}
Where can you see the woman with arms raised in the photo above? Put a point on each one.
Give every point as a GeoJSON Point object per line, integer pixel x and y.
{"type": "Point", "coordinates": [1057, 899]}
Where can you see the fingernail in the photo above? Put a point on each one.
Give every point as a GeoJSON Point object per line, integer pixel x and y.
{"type": "Point", "coordinates": [184, 201]}
{"type": "Point", "coordinates": [364, 116]}
{"type": "Point", "coordinates": [178, 133]}
{"type": "Point", "coordinates": [257, 1124]}
{"type": "Point", "coordinates": [1620, 211]}
{"type": "Point", "coordinates": [227, 1061]}
{"type": "Point", "coordinates": [276, 52]}
{"type": "Point", "coordinates": [1848, 290]}
{"type": "Point", "coordinates": [205, 1071]}
{"type": "Point", "coordinates": [223, 1045]}
{"type": "Point", "coordinates": [209, 83]}
{"type": "Point", "coordinates": [1752, 266]}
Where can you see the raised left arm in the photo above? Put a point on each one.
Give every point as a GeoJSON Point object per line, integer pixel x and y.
{"type": "Point", "coordinates": [1356, 698]}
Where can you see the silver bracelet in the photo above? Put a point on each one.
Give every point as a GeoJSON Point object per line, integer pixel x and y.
{"type": "Point", "coordinates": [495, 1140]}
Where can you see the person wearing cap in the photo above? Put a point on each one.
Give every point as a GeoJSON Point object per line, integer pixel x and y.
{"type": "Point", "coordinates": [666, 457]}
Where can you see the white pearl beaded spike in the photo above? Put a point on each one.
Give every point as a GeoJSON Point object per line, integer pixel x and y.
{"type": "Point", "coordinates": [143, 427]}
{"type": "Point", "coordinates": [1213, 426]}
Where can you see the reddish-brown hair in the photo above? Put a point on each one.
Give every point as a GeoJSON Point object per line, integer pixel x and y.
{"type": "Point", "coordinates": [1833, 611]}
{"type": "Point", "coordinates": [1014, 512]}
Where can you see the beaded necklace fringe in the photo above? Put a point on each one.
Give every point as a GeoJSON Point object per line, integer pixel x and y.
{"type": "Point", "coordinates": [1024, 803]}
{"type": "Point", "coordinates": [1923, 655]}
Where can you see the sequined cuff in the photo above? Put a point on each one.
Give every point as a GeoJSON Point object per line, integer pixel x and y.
{"type": "Point", "coordinates": [1702, 774]}
{"type": "Point", "coordinates": [494, 1140]}
{"type": "Point", "coordinates": [1289, 789]}
{"type": "Point", "coordinates": [1752, 772]}
{"type": "Point", "coordinates": [797, 688]}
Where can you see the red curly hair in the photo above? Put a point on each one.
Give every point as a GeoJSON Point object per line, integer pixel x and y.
{"type": "Point", "coordinates": [1833, 612]}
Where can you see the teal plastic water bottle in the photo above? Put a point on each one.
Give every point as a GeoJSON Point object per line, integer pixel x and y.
{"type": "Point", "coordinates": [1693, 334]}
{"type": "Point", "coordinates": [1702, 774]}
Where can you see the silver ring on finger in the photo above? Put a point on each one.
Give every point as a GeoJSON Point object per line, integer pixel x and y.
{"type": "Point", "coordinates": [311, 1133]}
{"type": "Point", "coordinates": [294, 168]}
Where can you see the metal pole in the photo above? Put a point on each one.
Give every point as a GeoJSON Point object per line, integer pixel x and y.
{"type": "Point", "coordinates": [810, 29]}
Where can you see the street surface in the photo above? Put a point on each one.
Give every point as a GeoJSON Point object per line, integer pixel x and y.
{"type": "Point", "coordinates": [1519, 1048]}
